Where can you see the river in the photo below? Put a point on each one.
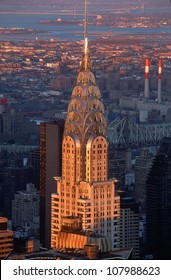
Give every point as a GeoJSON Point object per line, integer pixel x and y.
{"type": "Point", "coordinates": [12, 18]}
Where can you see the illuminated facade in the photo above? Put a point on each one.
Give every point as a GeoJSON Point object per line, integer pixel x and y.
{"type": "Point", "coordinates": [84, 189]}
{"type": "Point", "coordinates": [6, 238]}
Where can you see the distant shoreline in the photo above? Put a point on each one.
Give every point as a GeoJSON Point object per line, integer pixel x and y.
{"type": "Point", "coordinates": [30, 12]}
{"type": "Point", "coordinates": [78, 36]}
{"type": "Point", "coordinates": [65, 25]}
{"type": "Point", "coordinates": [62, 22]}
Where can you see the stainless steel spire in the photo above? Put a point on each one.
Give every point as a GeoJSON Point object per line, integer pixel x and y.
{"type": "Point", "coordinates": [86, 64]}
{"type": "Point", "coordinates": [85, 29]}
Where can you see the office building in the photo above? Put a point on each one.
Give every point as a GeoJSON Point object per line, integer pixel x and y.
{"type": "Point", "coordinates": [15, 179]}
{"type": "Point", "coordinates": [84, 189]}
{"type": "Point", "coordinates": [50, 166]}
{"type": "Point", "coordinates": [142, 166]}
{"type": "Point", "coordinates": [6, 238]}
{"type": "Point", "coordinates": [25, 210]}
{"type": "Point", "coordinates": [158, 204]}
{"type": "Point", "coordinates": [34, 160]}
{"type": "Point", "coordinates": [129, 225]}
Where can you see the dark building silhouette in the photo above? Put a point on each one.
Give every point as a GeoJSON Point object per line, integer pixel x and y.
{"type": "Point", "coordinates": [117, 164]}
{"type": "Point", "coordinates": [158, 199]}
{"type": "Point", "coordinates": [15, 179]}
{"type": "Point", "coordinates": [129, 224]}
{"type": "Point", "coordinates": [142, 166]}
{"type": "Point", "coordinates": [50, 166]}
{"type": "Point", "coordinates": [34, 160]}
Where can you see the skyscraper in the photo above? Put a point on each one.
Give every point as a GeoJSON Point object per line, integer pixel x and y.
{"type": "Point", "coordinates": [129, 225]}
{"type": "Point", "coordinates": [158, 201]}
{"type": "Point", "coordinates": [84, 189]}
{"type": "Point", "coordinates": [50, 166]}
{"type": "Point", "coordinates": [142, 166]}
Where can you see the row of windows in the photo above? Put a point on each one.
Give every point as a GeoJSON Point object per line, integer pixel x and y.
{"type": "Point", "coordinates": [99, 152]}
{"type": "Point", "coordinates": [68, 151]}
{"type": "Point", "coordinates": [68, 144]}
{"type": "Point", "coordinates": [6, 240]}
{"type": "Point", "coordinates": [6, 247]}
{"type": "Point", "coordinates": [98, 176]}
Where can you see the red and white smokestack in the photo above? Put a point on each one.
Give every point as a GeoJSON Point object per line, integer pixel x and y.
{"type": "Point", "coordinates": [159, 80]}
{"type": "Point", "coordinates": [146, 86]}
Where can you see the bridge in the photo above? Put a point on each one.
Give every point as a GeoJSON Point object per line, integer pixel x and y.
{"type": "Point", "coordinates": [125, 132]}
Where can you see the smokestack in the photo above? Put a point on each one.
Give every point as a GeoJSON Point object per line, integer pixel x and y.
{"type": "Point", "coordinates": [159, 80]}
{"type": "Point", "coordinates": [146, 88]}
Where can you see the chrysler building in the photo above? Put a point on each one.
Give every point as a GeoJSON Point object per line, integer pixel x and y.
{"type": "Point", "coordinates": [84, 189]}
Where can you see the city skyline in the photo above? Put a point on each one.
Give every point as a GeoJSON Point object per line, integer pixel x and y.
{"type": "Point", "coordinates": [115, 119]}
